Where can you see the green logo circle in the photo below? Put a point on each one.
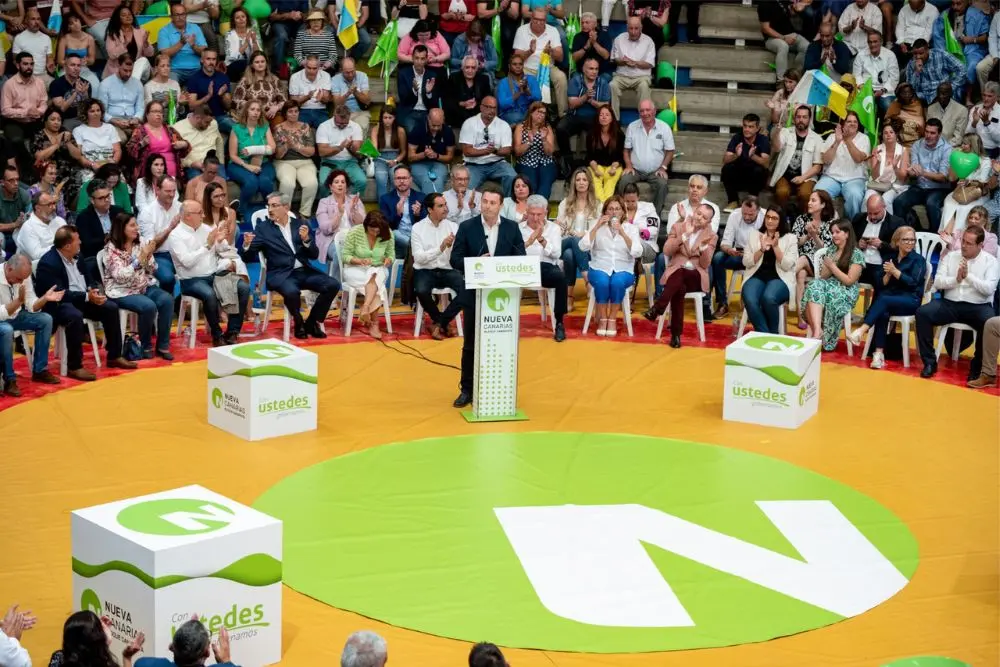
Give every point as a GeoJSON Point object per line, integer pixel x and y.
{"type": "Point", "coordinates": [176, 517]}
{"type": "Point", "coordinates": [774, 343]}
{"type": "Point", "coordinates": [586, 542]}
{"type": "Point", "coordinates": [261, 351]}
{"type": "Point", "coordinates": [479, 266]}
{"type": "Point", "coordinates": [90, 601]}
{"type": "Point", "coordinates": [498, 300]}
{"type": "Point", "coordinates": [217, 397]}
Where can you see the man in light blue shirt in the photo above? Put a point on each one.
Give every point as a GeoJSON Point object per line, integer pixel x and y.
{"type": "Point", "coordinates": [183, 42]}
{"type": "Point", "coordinates": [929, 166]}
{"type": "Point", "coordinates": [350, 88]}
{"type": "Point", "coordinates": [122, 97]}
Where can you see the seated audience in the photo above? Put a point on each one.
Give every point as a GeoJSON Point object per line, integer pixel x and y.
{"type": "Point", "coordinates": [874, 230]}
{"type": "Point", "coordinates": [418, 89]}
{"type": "Point", "coordinates": [124, 36]}
{"type": "Point", "coordinates": [989, 61]}
{"type": "Point", "coordinates": [431, 243]}
{"type": "Point", "coordinates": [339, 211]}
{"type": "Point", "coordinates": [160, 86]}
{"type": "Point", "coordinates": [338, 141]}
{"type": "Point", "coordinates": [155, 136]}
{"type": "Point", "coordinates": [456, 18]}
{"type": "Point", "coordinates": [85, 634]}
{"type": "Point", "coordinates": [537, 37]}
{"type": "Point", "coordinates": [295, 146]}
{"type": "Point", "coordinates": [288, 254]}
{"type": "Point", "coordinates": [486, 144]}
{"type": "Point", "coordinates": [684, 209]}
{"type": "Point", "coordinates": [285, 19]}
{"type": "Point", "coordinates": [463, 203]}
{"type": "Point", "coordinates": [111, 175]}
{"type": "Point", "coordinates": [588, 94]}
{"type": "Point", "coordinates": [466, 86]}
{"type": "Point", "coordinates": [830, 53]}
{"type": "Point", "coordinates": [93, 225]}
{"type": "Point", "coordinates": [606, 150]}
{"type": "Point", "coordinates": [213, 203]}
{"type": "Point", "coordinates": [32, 40]}
{"type": "Point", "coordinates": [544, 240]}
{"type": "Point", "coordinates": [880, 65]}
{"type": "Point", "coordinates": [979, 216]}
{"type": "Point", "coordinates": [21, 310]}
{"type": "Point", "coordinates": [929, 68]}
{"type": "Point", "coordinates": [799, 162]}
{"type": "Point", "coordinates": [201, 132]}
{"type": "Point", "coordinates": [474, 43]}
{"type": "Point", "coordinates": [812, 230]}
{"type": "Point", "coordinates": [594, 42]}
{"type": "Point", "coordinates": [517, 91]}
{"type": "Point", "coordinates": [401, 208]}
{"type": "Point", "coordinates": [367, 649]}
{"type": "Point", "coordinates": [966, 281]}
{"type": "Point", "coordinates": [316, 38]}
{"type": "Point", "coordinates": [212, 173]}
{"type": "Point", "coordinates": [779, 102]}
{"type": "Point", "coordinates": [199, 268]}
{"type": "Point", "coordinates": [742, 224]}
{"type": "Point", "coordinates": [429, 150]}
{"type": "Point", "coordinates": [157, 223]}
{"type": "Point", "coordinates": [22, 105]}
{"type": "Point", "coordinates": [123, 99]}
{"type": "Point", "coordinates": [781, 37]}
{"type": "Point", "coordinates": [649, 150]}
{"type": "Point", "coordinates": [210, 87]}
{"type": "Point", "coordinates": [634, 54]}
{"type": "Point", "coordinates": [915, 21]}
{"type": "Point", "coordinates": [991, 348]}
{"type": "Point", "coordinates": [984, 121]}
{"type": "Point", "coordinates": [129, 281]}
{"type": "Point", "coordinates": [259, 85]}
{"type": "Point", "coordinates": [15, 206]}
{"type": "Point", "coordinates": [769, 259]}
{"type": "Point", "coordinates": [38, 232]}
{"type": "Point", "coordinates": [534, 144]}
{"type": "Point", "coordinates": [745, 163]}
{"type": "Point", "coordinates": [833, 292]}
{"type": "Point", "coordinates": [251, 147]}
{"type": "Point", "coordinates": [889, 167]}
{"type": "Point", "coordinates": [240, 43]}
{"type": "Point", "coordinates": [904, 279]}
{"type": "Point", "coordinates": [425, 34]}
{"type": "Point", "coordinates": [577, 215]}
{"type": "Point", "coordinates": [368, 253]}
{"type": "Point", "coordinates": [73, 41]}
{"type": "Point", "coordinates": [689, 246]}
{"type": "Point", "coordinates": [350, 88]}
{"type": "Point", "coordinates": [189, 645]}
{"type": "Point", "coordinates": [515, 207]}
{"type": "Point", "coordinates": [81, 299]}
{"type": "Point", "coordinates": [54, 144]}
{"type": "Point", "coordinates": [183, 41]}
{"type": "Point", "coordinates": [929, 166]}
{"type": "Point", "coordinates": [655, 19]}
{"type": "Point", "coordinates": [909, 113]}
{"type": "Point", "coordinates": [309, 89]}
{"type": "Point", "coordinates": [389, 138]}
{"type": "Point", "coordinates": [49, 183]}
{"type": "Point", "coordinates": [844, 155]}
{"type": "Point", "coordinates": [613, 246]}
{"type": "Point", "coordinates": [646, 220]}
{"type": "Point", "coordinates": [69, 91]}
{"type": "Point", "coordinates": [860, 19]}
{"type": "Point", "coordinates": [969, 27]}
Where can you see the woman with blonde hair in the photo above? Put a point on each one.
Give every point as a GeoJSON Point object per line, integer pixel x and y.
{"type": "Point", "coordinates": [534, 144]}
{"type": "Point", "coordinates": [978, 216]}
{"type": "Point", "coordinates": [577, 215]}
{"type": "Point", "coordinates": [833, 293]}
{"type": "Point", "coordinates": [251, 146]}
{"type": "Point", "coordinates": [606, 150]}
{"type": "Point", "coordinates": [614, 246]}
{"type": "Point", "coordinates": [368, 251]}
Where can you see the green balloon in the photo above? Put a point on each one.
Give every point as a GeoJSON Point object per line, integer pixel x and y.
{"type": "Point", "coordinates": [963, 164]}
{"type": "Point", "coordinates": [666, 31]}
{"type": "Point", "coordinates": [928, 661]}
{"type": "Point", "coordinates": [665, 70]}
{"type": "Point", "coordinates": [158, 9]}
{"type": "Point", "coordinates": [257, 9]}
{"type": "Point", "coordinates": [667, 116]}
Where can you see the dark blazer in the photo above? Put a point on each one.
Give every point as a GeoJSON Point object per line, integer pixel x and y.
{"type": "Point", "coordinates": [889, 226]}
{"type": "Point", "coordinates": [91, 231]}
{"type": "Point", "coordinates": [843, 64]}
{"type": "Point", "coordinates": [387, 204]}
{"type": "Point", "coordinates": [405, 98]}
{"type": "Point", "coordinates": [458, 91]}
{"type": "Point", "coordinates": [470, 241]}
{"type": "Point", "coordinates": [51, 272]}
{"type": "Point", "coordinates": [269, 240]}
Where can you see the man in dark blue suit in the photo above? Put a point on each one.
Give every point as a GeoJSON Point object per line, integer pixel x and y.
{"type": "Point", "coordinates": [94, 223]}
{"type": "Point", "coordinates": [58, 268]}
{"type": "Point", "coordinates": [402, 208]}
{"type": "Point", "coordinates": [288, 251]}
{"type": "Point", "coordinates": [486, 234]}
{"type": "Point", "coordinates": [418, 86]}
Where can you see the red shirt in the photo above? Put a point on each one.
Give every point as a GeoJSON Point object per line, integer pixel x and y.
{"type": "Point", "coordinates": [454, 27]}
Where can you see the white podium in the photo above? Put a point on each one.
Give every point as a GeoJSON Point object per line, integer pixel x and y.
{"type": "Point", "coordinates": [498, 282]}
{"type": "Point", "coordinates": [262, 389]}
{"type": "Point", "coordinates": [150, 563]}
{"type": "Point", "coordinates": [771, 380]}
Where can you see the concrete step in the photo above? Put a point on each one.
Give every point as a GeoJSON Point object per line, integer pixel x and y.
{"type": "Point", "coordinates": [717, 101]}
{"type": "Point", "coordinates": [718, 57]}
{"type": "Point", "coordinates": [726, 123]}
{"type": "Point", "coordinates": [737, 77]}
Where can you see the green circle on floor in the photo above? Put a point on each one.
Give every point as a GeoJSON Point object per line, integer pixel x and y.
{"type": "Point", "coordinates": [589, 542]}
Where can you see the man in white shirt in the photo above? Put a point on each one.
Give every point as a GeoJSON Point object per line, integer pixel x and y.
{"type": "Point", "coordinates": [985, 65]}
{"type": "Point", "coordinates": [649, 150]}
{"type": "Point", "coordinates": [337, 141]}
{"type": "Point", "coordinates": [532, 40]}
{"type": "Point", "coordinates": [984, 120]}
{"type": "Point", "coordinates": [880, 65]}
{"type": "Point", "coordinates": [156, 222]}
{"type": "Point", "coordinates": [857, 21]}
{"type": "Point", "coordinates": [684, 209]}
{"type": "Point", "coordinates": [544, 239]}
{"type": "Point", "coordinates": [431, 240]}
{"type": "Point", "coordinates": [21, 310]}
{"type": "Point", "coordinates": [915, 21]}
{"type": "Point", "coordinates": [192, 247]}
{"type": "Point", "coordinates": [486, 143]}
{"type": "Point", "coordinates": [310, 87]}
{"type": "Point", "coordinates": [747, 219]}
{"type": "Point", "coordinates": [462, 202]}
{"type": "Point", "coordinates": [14, 623]}
{"type": "Point", "coordinates": [37, 233]}
{"type": "Point", "coordinates": [967, 281]}
{"type": "Point", "coordinates": [38, 44]}
{"type": "Point", "coordinates": [635, 55]}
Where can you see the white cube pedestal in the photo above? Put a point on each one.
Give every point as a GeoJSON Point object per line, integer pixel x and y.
{"type": "Point", "coordinates": [771, 380]}
{"type": "Point", "coordinates": [262, 389]}
{"type": "Point", "coordinates": [150, 563]}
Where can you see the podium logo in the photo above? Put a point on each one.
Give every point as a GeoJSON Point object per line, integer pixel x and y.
{"type": "Point", "coordinates": [774, 343]}
{"type": "Point", "coordinates": [217, 397]}
{"type": "Point", "coordinates": [89, 601]}
{"type": "Point", "coordinates": [262, 351]}
{"type": "Point", "coordinates": [498, 300]}
{"type": "Point", "coordinates": [176, 517]}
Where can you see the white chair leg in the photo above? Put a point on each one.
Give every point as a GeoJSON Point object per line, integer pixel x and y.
{"type": "Point", "coordinates": [956, 344]}
{"type": "Point", "coordinates": [419, 321]}
{"type": "Point", "coordinates": [659, 323]}
{"type": "Point", "coordinates": [550, 298]}
{"type": "Point", "coordinates": [123, 321]}
{"type": "Point", "coordinates": [388, 317]}
{"type": "Point", "coordinates": [29, 354]}
{"type": "Point", "coordinates": [541, 303]}
{"type": "Point", "coordinates": [906, 343]}
{"type": "Point", "coordinates": [93, 343]}
{"type": "Point", "coordinates": [847, 334]}
{"type": "Point", "coordinates": [868, 342]}
{"type": "Point", "coordinates": [939, 346]}
{"type": "Point", "coordinates": [458, 323]}
{"type": "Point", "coordinates": [744, 318]}
{"type": "Point", "coordinates": [63, 357]}
{"type": "Point", "coordinates": [626, 312]}
{"type": "Point", "coordinates": [180, 317]}
{"type": "Point", "coordinates": [782, 326]}
{"type": "Point", "coordinates": [286, 325]}
{"type": "Point", "coordinates": [650, 288]}
{"type": "Point", "coordinates": [192, 336]}
{"type": "Point", "coordinates": [590, 309]}
{"type": "Point", "coordinates": [699, 313]}
{"type": "Point", "coordinates": [351, 298]}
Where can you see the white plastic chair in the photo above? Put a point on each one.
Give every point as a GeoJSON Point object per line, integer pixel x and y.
{"type": "Point", "coordinates": [444, 295]}
{"type": "Point", "coordinates": [350, 293]}
{"type": "Point", "coordinates": [397, 266]}
{"type": "Point", "coordinates": [699, 303]}
{"type": "Point", "coordinates": [956, 346]}
{"type": "Point", "coordinates": [60, 348]}
{"type": "Point", "coordinates": [745, 318]}
{"type": "Point", "coordinates": [736, 273]}
{"type": "Point", "coordinates": [191, 304]}
{"type": "Point", "coordinates": [626, 309]}
{"type": "Point", "coordinates": [927, 244]}
{"type": "Point", "coordinates": [907, 323]}
{"type": "Point", "coordinates": [123, 315]}
{"type": "Point", "coordinates": [650, 276]}
{"type": "Point", "coordinates": [546, 300]}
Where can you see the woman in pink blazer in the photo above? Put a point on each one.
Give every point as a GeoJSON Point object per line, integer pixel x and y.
{"type": "Point", "coordinates": [689, 247]}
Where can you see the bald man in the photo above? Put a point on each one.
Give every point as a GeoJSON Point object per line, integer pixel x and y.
{"type": "Point", "coordinates": [486, 143]}
{"type": "Point", "coordinates": [649, 150]}
{"type": "Point", "coordinates": [874, 228]}
{"type": "Point", "coordinates": [21, 310]}
{"type": "Point", "coordinates": [430, 150]}
{"type": "Point", "coordinates": [635, 56]}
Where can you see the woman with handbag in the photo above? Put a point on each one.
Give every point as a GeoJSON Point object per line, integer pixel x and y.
{"type": "Point", "coordinates": [888, 164]}
{"type": "Point", "coordinates": [969, 192]}
{"type": "Point", "coordinates": [909, 113]}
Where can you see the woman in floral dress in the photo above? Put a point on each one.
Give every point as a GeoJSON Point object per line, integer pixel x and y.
{"type": "Point", "coordinates": [259, 85]}
{"type": "Point", "coordinates": [833, 293]}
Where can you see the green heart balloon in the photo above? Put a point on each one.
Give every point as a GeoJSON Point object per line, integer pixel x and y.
{"type": "Point", "coordinates": [928, 660]}
{"type": "Point", "coordinates": [963, 164]}
{"type": "Point", "coordinates": [667, 116]}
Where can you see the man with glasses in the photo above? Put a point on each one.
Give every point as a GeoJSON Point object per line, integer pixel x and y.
{"type": "Point", "coordinates": [183, 42]}
{"type": "Point", "coordinates": [486, 143]}
{"type": "Point", "coordinates": [38, 233]}
{"type": "Point", "coordinates": [156, 222]}
{"type": "Point", "coordinates": [310, 89]}
{"type": "Point", "coordinates": [93, 224]}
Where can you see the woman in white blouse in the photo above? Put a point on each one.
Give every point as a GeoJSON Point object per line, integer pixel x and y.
{"type": "Point", "coordinates": [240, 42]}
{"type": "Point", "coordinates": [98, 141]}
{"type": "Point", "coordinates": [845, 156]}
{"type": "Point", "coordinates": [769, 278]}
{"type": "Point", "coordinates": [516, 208]}
{"type": "Point", "coordinates": [954, 215]}
{"type": "Point", "coordinates": [889, 164]}
{"type": "Point", "coordinates": [614, 246]}
{"type": "Point", "coordinates": [577, 215]}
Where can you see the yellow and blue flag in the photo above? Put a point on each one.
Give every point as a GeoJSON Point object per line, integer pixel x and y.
{"type": "Point", "coordinates": [817, 89]}
{"type": "Point", "coordinates": [347, 31]}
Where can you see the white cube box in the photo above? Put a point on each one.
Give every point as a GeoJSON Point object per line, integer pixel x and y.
{"type": "Point", "coordinates": [771, 380]}
{"type": "Point", "coordinates": [262, 389]}
{"type": "Point", "coordinates": [150, 563]}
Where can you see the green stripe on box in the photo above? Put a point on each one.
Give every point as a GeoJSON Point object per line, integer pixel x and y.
{"type": "Point", "coordinates": [253, 570]}
{"type": "Point", "coordinates": [260, 371]}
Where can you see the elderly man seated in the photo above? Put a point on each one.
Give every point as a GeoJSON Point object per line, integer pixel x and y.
{"type": "Point", "coordinates": [649, 150]}
{"type": "Point", "coordinates": [288, 253]}
{"type": "Point", "coordinates": [463, 202]}
{"type": "Point", "coordinates": [38, 232]}
{"type": "Point", "coordinates": [431, 242]}
{"type": "Point", "coordinates": [536, 38]}
{"type": "Point", "coordinates": [635, 55]}
{"type": "Point", "coordinates": [21, 310]}
{"type": "Point", "coordinates": [544, 239]}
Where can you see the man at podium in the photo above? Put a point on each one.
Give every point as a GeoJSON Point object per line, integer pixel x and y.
{"type": "Point", "coordinates": [484, 235]}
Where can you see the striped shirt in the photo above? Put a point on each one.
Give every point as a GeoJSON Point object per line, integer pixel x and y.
{"type": "Point", "coordinates": [323, 45]}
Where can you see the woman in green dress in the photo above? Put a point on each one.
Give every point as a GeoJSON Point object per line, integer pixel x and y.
{"type": "Point", "coordinates": [834, 291]}
{"type": "Point", "coordinates": [368, 253]}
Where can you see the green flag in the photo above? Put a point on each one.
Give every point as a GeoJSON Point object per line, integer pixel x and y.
{"type": "Point", "coordinates": [386, 47]}
{"type": "Point", "coordinates": [171, 107]}
{"type": "Point", "coordinates": [572, 30]}
{"type": "Point", "coordinates": [951, 44]}
{"type": "Point", "coordinates": [368, 149]}
{"type": "Point", "coordinates": [495, 35]}
{"type": "Point", "coordinates": [864, 106]}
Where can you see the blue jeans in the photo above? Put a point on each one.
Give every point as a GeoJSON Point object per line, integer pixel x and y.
{"type": "Point", "coordinates": [884, 307]}
{"type": "Point", "coordinates": [165, 273]}
{"type": "Point", "coordinates": [282, 32]}
{"type": "Point", "coordinates": [191, 173]}
{"type": "Point", "coordinates": [333, 262]}
{"type": "Point", "coordinates": [182, 75]}
{"type": "Point", "coordinates": [763, 302]}
{"type": "Point", "coordinates": [659, 268]}
{"type": "Point", "coordinates": [154, 304]}
{"type": "Point", "coordinates": [412, 120]}
{"type": "Point", "coordinates": [497, 171]}
{"type": "Point", "coordinates": [313, 117]}
{"type": "Point", "coordinates": [853, 191]}
{"type": "Point", "coordinates": [610, 289]}
{"type": "Point", "coordinates": [721, 262]}
{"type": "Point", "coordinates": [429, 176]}
{"type": "Point", "coordinates": [574, 259]}
{"type": "Point", "coordinates": [356, 175]}
{"type": "Point", "coordinates": [252, 184]}
{"type": "Point", "coordinates": [41, 325]}
{"type": "Point", "coordinates": [540, 178]}
{"type": "Point", "coordinates": [201, 289]}
{"type": "Point", "coordinates": [932, 199]}
{"type": "Point", "coordinates": [383, 174]}
{"type": "Point", "coordinates": [513, 117]}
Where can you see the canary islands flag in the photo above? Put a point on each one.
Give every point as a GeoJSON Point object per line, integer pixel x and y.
{"type": "Point", "coordinates": [347, 31]}
{"type": "Point", "coordinates": [817, 89]}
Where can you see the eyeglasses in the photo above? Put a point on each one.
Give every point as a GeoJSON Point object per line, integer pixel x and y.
{"type": "Point", "coordinates": [907, 240]}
